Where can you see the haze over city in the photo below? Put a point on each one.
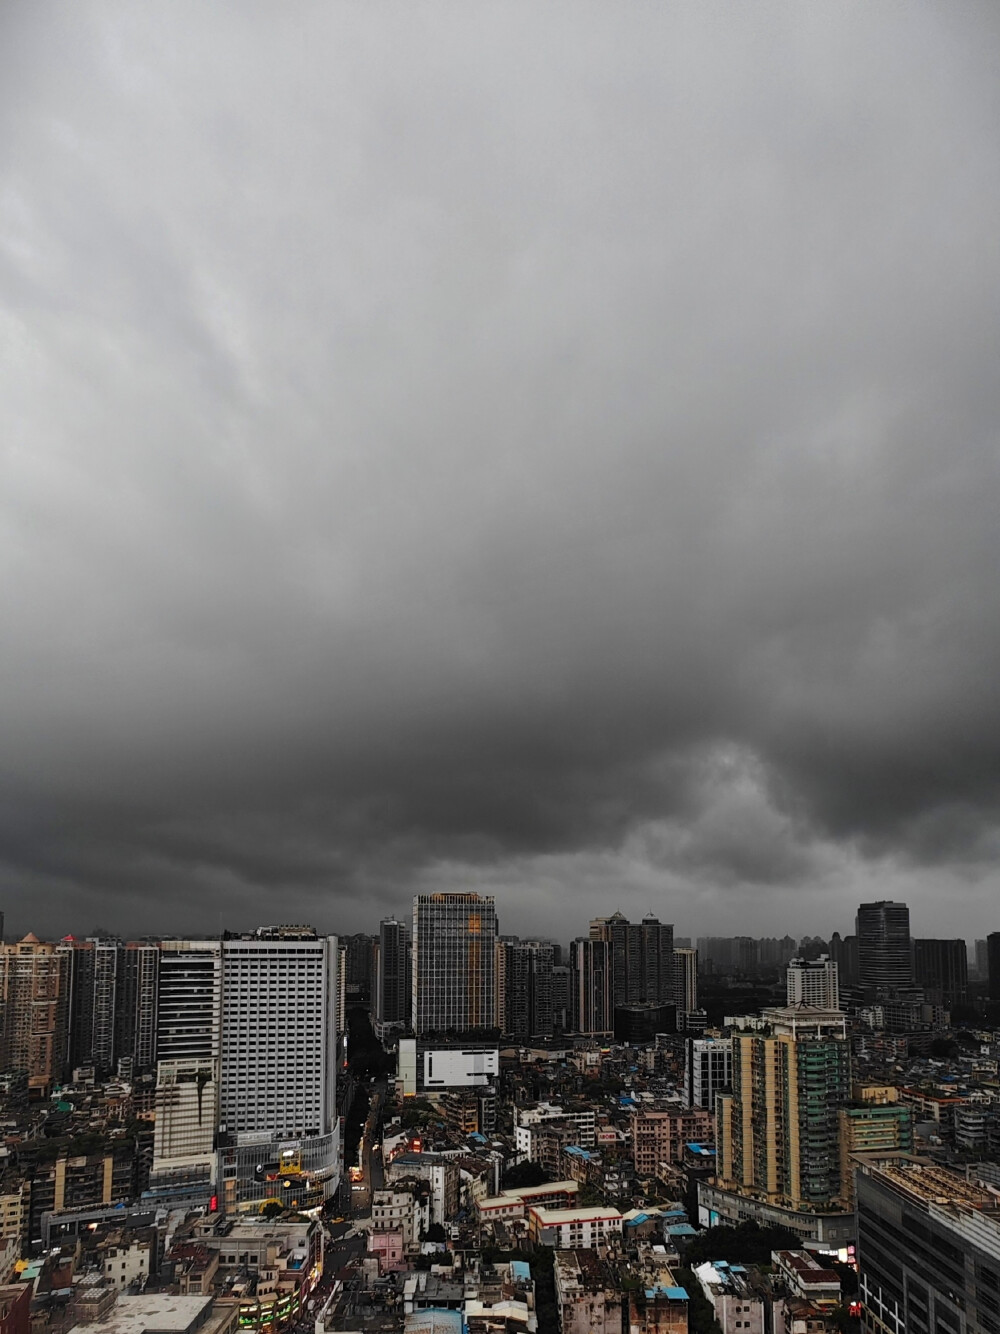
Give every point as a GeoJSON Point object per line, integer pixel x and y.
{"type": "Point", "coordinates": [542, 450]}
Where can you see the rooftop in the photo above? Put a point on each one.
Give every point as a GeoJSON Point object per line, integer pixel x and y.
{"type": "Point", "coordinates": [927, 1182]}
{"type": "Point", "coordinates": [161, 1312]}
{"type": "Point", "coordinates": [557, 1217]}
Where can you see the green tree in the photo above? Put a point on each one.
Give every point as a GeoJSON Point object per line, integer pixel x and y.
{"type": "Point", "coordinates": [525, 1174]}
{"type": "Point", "coordinates": [747, 1244]}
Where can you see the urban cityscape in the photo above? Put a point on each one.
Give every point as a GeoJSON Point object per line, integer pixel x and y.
{"type": "Point", "coordinates": [499, 622]}
{"type": "Point", "coordinates": [441, 1126]}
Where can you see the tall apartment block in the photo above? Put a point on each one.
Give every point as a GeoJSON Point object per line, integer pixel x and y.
{"type": "Point", "coordinates": [844, 953]}
{"type": "Point", "coordinates": [523, 975]}
{"type": "Point", "coordinates": [941, 970]}
{"type": "Point", "coordinates": [881, 1126]}
{"type": "Point", "coordinates": [591, 988]}
{"type": "Point", "coordinates": [656, 942]}
{"type": "Point", "coordinates": [993, 964]}
{"type": "Point", "coordinates": [33, 1011]}
{"type": "Point", "coordinates": [980, 961]}
{"type": "Point", "coordinates": [685, 979]}
{"type": "Point", "coordinates": [813, 982]}
{"type": "Point", "coordinates": [777, 1132]}
{"type": "Point", "coordinates": [642, 958]}
{"type": "Point", "coordinates": [112, 1003]}
{"type": "Point", "coordinates": [454, 939]}
{"type": "Point", "coordinates": [928, 1249]}
{"type": "Point", "coordinates": [708, 1070]}
{"type": "Point", "coordinates": [393, 981]}
{"type": "Point", "coordinates": [135, 1021]}
{"type": "Point", "coordinates": [885, 960]}
{"type": "Point", "coordinates": [360, 952]}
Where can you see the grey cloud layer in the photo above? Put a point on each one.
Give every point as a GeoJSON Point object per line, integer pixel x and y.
{"type": "Point", "coordinates": [552, 447]}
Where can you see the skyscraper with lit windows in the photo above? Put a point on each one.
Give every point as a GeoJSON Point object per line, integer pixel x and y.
{"type": "Point", "coordinates": [453, 942]}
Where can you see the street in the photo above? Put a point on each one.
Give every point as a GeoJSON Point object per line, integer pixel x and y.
{"type": "Point", "coordinates": [371, 1163]}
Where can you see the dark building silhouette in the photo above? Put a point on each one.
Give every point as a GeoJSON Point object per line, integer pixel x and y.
{"type": "Point", "coordinates": [524, 983]}
{"type": "Point", "coordinates": [639, 1024]}
{"type": "Point", "coordinates": [885, 961]}
{"type": "Point", "coordinates": [642, 958]}
{"type": "Point", "coordinates": [393, 985]}
{"type": "Point", "coordinates": [591, 995]}
{"type": "Point", "coordinates": [941, 968]}
{"type": "Point", "coordinates": [844, 953]}
{"type": "Point", "coordinates": [993, 963]}
{"type": "Point", "coordinates": [359, 968]}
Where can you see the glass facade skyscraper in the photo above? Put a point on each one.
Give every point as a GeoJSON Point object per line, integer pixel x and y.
{"type": "Point", "coordinates": [454, 939]}
{"type": "Point", "coordinates": [885, 958]}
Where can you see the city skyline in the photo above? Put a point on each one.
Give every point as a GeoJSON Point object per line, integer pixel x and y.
{"type": "Point", "coordinates": [12, 928]}
{"type": "Point", "coordinates": [546, 454]}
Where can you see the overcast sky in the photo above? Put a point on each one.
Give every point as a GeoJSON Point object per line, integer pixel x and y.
{"type": "Point", "coordinates": [548, 449]}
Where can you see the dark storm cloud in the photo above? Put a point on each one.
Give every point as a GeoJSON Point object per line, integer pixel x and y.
{"type": "Point", "coordinates": [553, 451]}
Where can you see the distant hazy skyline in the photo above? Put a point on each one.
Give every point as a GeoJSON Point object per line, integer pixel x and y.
{"type": "Point", "coordinates": [548, 450]}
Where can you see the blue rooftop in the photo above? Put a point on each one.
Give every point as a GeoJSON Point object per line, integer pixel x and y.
{"type": "Point", "coordinates": [675, 1294]}
{"type": "Point", "coordinates": [521, 1270]}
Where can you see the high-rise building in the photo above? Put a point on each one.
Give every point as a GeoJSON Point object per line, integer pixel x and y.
{"type": "Point", "coordinates": [656, 939]}
{"type": "Point", "coordinates": [708, 1070]}
{"type": "Point", "coordinates": [340, 1008]}
{"type": "Point", "coordinates": [813, 982]}
{"type": "Point", "coordinates": [359, 968]}
{"type": "Point", "coordinates": [95, 978]}
{"type": "Point", "coordinates": [591, 993]}
{"type": "Point", "coordinates": [523, 979]}
{"type": "Point", "coordinates": [642, 958]}
{"type": "Point", "coordinates": [928, 1248]}
{"type": "Point", "coordinates": [78, 959]}
{"type": "Point", "coordinates": [277, 1067]}
{"type": "Point", "coordinates": [885, 961]}
{"type": "Point", "coordinates": [136, 1003]}
{"type": "Point", "coordinates": [189, 999]}
{"type": "Point", "coordinates": [453, 954]}
{"type": "Point", "coordinates": [189, 1026]}
{"type": "Point", "coordinates": [777, 1132]}
{"type": "Point", "coordinates": [33, 1011]}
{"type": "Point", "coordinates": [941, 969]}
{"type": "Point", "coordinates": [993, 963]}
{"type": "Point", "coordinates": [844, 953]}
{"type": "Point", "coordinates": [393, 987]}
{"type": "Point", "coordinates": [685, 979]}
{"type": "Point", "coordinates": [107, 956]}
{"type": "Point", "coordinates": [561, 1007]}
{"type": "Point", "coordinates": [184, 1133]}
{"type": "Point", "coordinates": [982, 961]}
{"type": "Point", "coordinates": [246, 1076]}
{"type": "Point", "coordinates": [624, 942]}
{"type": "Point", "coordinates": [871, 1127]}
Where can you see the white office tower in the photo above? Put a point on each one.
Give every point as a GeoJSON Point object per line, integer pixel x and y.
{"type": "Point", "coordinates": [245, 1089]}
{"type": "Point", "coordinates": [187, 1071]}
{"type": "Point", "coordinates": [278, 1126]}
{"type": "Point", "coordinates": [814, 982]}
{"type": "Point", "coordinates": [708, 1070]}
